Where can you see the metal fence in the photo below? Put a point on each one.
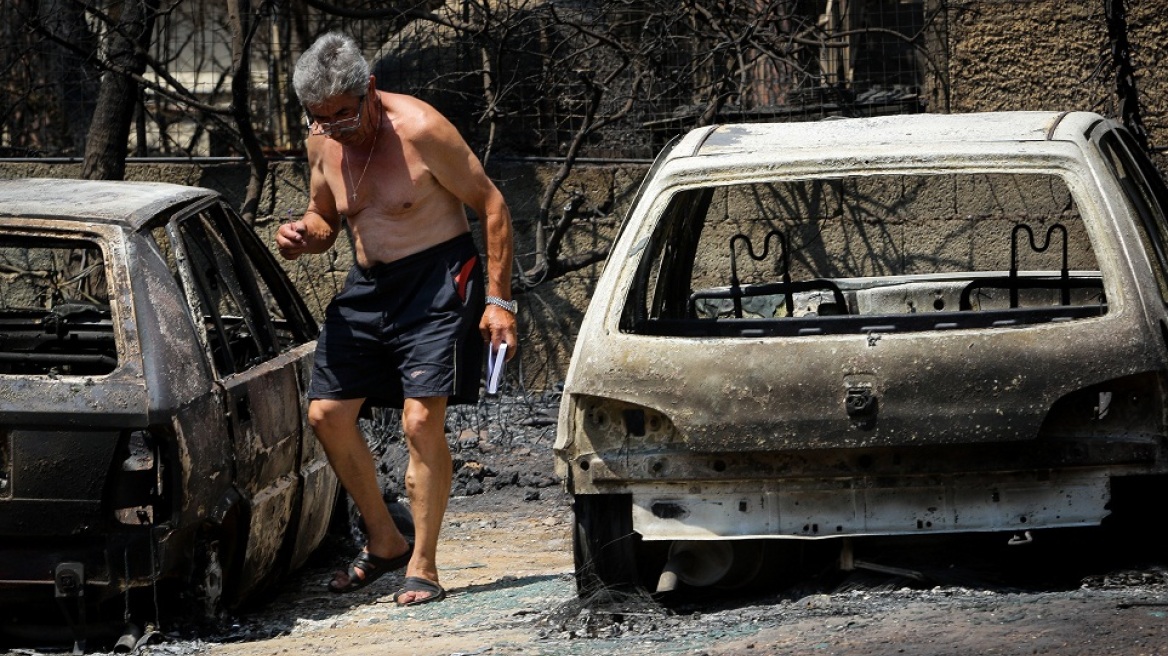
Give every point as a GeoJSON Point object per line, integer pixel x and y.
{"type": "Point", "coordinates": [520, 76]}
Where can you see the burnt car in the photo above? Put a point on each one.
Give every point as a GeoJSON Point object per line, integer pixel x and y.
{"type": "Point", "coordinates": [153, 357]}
{"type": "Point", "coordinates": [892, 326]}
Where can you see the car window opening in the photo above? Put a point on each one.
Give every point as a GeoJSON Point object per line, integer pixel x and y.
{"type": "Point", "coordinates": [866, 254]}
{"type": "Point", "coordinates": [54, 308]}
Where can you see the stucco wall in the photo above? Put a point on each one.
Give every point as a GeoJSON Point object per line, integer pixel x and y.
{"type": "Point", "coordinates": [1038, 55]}
{"type": "Point", "coordinates": [1055, 55]}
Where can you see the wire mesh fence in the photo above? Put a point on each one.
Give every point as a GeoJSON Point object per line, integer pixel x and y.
{"type": "Point", "coordinates": [523, 76]}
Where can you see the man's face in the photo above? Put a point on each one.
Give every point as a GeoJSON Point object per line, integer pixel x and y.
{"type": "Point", "coordinates": [338, 117]}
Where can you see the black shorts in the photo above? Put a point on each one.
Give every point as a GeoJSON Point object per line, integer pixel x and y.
{"type": "Point", "coordinates": [406, 329]}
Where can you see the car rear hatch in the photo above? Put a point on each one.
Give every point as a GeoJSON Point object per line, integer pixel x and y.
{"type": "Point", "coordinates": [72, 395]}
{"type": "Point", "coordinates": [906, 307]}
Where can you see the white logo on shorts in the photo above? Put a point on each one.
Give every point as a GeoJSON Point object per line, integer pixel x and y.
{"type": "Point", "coordinates": [417, 372]}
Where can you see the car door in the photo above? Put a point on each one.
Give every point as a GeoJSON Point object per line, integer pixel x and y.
{"type": "Point", "coordinates": [261, 362]}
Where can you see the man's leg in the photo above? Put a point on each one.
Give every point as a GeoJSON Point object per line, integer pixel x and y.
{"type": "Point", "coordinates": [428, 479]}
{"type": "Point", "coordinates": [335, 424]}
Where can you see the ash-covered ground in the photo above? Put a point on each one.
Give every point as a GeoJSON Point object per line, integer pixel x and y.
{"type": "Point", "coordinates": [506, 562]}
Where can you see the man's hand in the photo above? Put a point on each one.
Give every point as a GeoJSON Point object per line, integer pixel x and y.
{"type": "Point", "coordinates": [498, 326]}
{"type": "Point", "coordinates": [291, 239]}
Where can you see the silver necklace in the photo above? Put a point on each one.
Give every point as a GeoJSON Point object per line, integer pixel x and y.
{"type": "Point", "coordinates": [349, 174]}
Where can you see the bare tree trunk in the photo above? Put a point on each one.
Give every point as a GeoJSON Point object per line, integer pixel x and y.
{"type": "Point", "coordinates": [78, 90]}
{"type": "Point", "coordinates": [242, 31]}
{"type": "Point", "coordinates": [109, 132]}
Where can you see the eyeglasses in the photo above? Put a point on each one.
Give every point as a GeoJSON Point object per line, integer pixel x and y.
{"type": "Point", "coordinates": [335, 127]}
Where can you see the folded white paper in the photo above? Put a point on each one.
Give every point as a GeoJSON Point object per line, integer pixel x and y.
{"type": "Point", "coordinates": [495, 364]}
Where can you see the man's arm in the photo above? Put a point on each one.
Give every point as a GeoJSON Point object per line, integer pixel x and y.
{"type": "Point", "coordinates": [457, 169]}
{"type": "Point", "coordinates": [317, 230]}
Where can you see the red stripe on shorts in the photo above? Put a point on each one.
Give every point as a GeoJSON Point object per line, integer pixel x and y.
{"type": "Point", "coordinates": [463, 277]}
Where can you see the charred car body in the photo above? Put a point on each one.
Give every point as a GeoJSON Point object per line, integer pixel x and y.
{"type": "Point", "coordinates": [897, 326]}
{"type": "Point", "coordinates": [152, 362]}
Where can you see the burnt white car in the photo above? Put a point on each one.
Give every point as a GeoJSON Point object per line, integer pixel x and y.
{"type": "Point", "coordinates": [153, 358]}
{"type": "Point", "coordinates": [895, 326]}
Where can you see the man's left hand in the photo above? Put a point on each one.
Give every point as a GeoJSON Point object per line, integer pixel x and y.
{"type": "Point", "coordinates": [499, 326]}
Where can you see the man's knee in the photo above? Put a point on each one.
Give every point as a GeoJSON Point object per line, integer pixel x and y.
{"type": "Point", "coordinates": [417, 425]}
{"type": "Point", "coordinates": [327, 416]}
{"type": "Point", "coordinates": [420, 416]}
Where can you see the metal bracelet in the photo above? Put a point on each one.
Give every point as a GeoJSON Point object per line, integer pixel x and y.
{"type": "Point", "coordinates": [510, 306]}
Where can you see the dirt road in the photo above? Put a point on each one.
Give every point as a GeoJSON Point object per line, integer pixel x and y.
{"type": "Point", "coordinates": [507, 566]}
{"type": "Point", "coordinates": [504, 563]}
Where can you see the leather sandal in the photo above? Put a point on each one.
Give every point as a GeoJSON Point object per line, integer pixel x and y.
{"type": "Point", "coordinates": [418, 584]}
{"type": "Point", "coordinates": [367, 568]}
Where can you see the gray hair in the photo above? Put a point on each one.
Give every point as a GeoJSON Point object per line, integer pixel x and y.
{"type": "Point", "coordinates": [331, 66]}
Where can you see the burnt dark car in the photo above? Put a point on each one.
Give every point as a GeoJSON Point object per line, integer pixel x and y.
{"type": "Point", "coordinates": [896, 327]}
{"type": "Point", "coordinates": [153, 439]}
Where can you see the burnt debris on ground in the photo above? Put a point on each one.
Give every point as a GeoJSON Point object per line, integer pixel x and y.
{"type": "Point", "coordinates": [501, 441]}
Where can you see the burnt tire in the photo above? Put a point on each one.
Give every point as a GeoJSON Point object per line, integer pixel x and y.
{"type": "Point", "coordinates": [604, 544]}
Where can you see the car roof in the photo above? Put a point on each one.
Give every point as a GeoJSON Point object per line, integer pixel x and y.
{"type": "Point", "coordinates": [128, 204]}
{"type": "Point", "coordinates": [923, 131]}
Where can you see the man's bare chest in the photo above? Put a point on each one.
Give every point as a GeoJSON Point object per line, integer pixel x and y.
{"type": "Point", "coordinates": [385, 184]}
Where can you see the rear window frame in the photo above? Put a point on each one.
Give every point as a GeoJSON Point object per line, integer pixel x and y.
{"type": "Point", "coordinates": [103, 238]}
{"type": "Point", "coordinates": [628, 311]}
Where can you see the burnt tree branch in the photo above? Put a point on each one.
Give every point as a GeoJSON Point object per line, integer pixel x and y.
{"type": "Point", "coordinates": [1125, 77]}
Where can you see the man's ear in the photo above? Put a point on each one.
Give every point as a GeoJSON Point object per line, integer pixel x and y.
{"type": "Point", "coordinates": [372, 84]}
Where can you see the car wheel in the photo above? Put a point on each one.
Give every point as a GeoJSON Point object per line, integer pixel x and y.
{"type": "Point", "coordinates": [604, 544]}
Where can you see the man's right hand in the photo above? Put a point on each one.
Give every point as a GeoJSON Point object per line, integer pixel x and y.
{"type": "Point", "coordinates": [291, 239]}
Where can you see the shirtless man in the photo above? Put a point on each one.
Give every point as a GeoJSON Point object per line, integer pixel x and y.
{"type": "Point", "coordinates": [402, 331]}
